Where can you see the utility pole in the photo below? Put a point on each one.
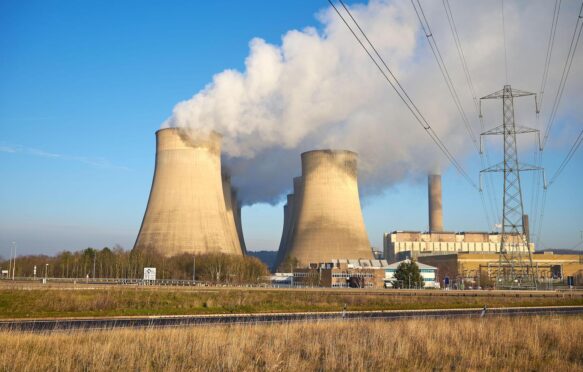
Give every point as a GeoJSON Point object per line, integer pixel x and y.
{"type": "Point", "coordinates": [515, 268]}
{"type": "Point", "coordinates": [94, 258]}
{"type": "Point", "coordinates": [10, 263]}
{"type": "Point", "coordinates": [193, 269]}
{"type": "Point", "coordinates": [581, 248]}
{"type": "Point", "coordinates": [13, 260]}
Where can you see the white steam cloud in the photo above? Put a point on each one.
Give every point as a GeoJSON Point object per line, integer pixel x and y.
{"type": "Point", "coordinates": [318, 89]}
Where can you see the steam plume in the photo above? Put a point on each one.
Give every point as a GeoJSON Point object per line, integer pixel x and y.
{"type": "Point", "coordinates": [318, 89]}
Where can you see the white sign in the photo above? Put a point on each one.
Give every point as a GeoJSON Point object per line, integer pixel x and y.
{"type": "Point", "coordinates": [149, 273]}
{"type": "Point", "coordinates": [5, 272]}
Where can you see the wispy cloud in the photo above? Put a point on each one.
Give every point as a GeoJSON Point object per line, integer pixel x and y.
{"type": "Point", "coordinates": [7, 149]}
{"type": "Point", "coordinates": [97, 162]}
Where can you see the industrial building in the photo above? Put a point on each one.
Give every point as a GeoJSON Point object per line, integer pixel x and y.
{"type": "Point", "coordinates": [324, 218]}
{"type": "Point", "coordinates": [477, 267]}
{"type": "Point", "coordinates": [350, 273]}
{"type": "Point", "coordinates": [342, 273]}
{"type": "Point", "coordinates": [191, 208]}
{"type": "Point", "coordinates": [399, 245]}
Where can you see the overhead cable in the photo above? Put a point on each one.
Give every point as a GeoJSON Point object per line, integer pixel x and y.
{"type": "Point", "coordinates": [564, 76]}
{"type": "Point", "coordinates": [549, 53]}
{"type": "Point", "coordinates": [484, 157]}
{"type": "Point", "coordinates": [444, 72]}
{"type": "Point", "coordinates": [401, 92]}
{"type": "Point", "coordinates": [451, 87]}
{"type": "Point", "coordinates": [567, 158]}
{"type": "Point", "coordinates": [504, 37]}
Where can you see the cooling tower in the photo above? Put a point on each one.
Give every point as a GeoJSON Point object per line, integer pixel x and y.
{"type": "Point", "coordinates": [293, 220]}
{"type": "Point", "coordinates": [237, 211]}
{"type": "Point", "coordinates": [232, 213]}
{"type": "Point", "coordinates": [329, 223]}
{"type": "Point", "coordinates": [435, 207]}
{"type": "Point", "coordinates": [186, 211]}
{"type": "Point", "coordinates": [288, 222]}
{"type": "Point", "coordinates": [281, 249]}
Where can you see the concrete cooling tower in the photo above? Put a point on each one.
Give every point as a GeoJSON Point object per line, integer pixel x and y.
{"type": "Point", "coordinates": [281, 250]}
{"type": "Point", "coordinates": [187, 210]}
{"type": "Point", "coordinates": [291, 208]}
{"type": "Point", "coordinates": [288, 215]}
{"type": "Point", "coordinates": [232, 207]}
{"type": "Point", "coordinates": [328, 218]}
{"type": "Point", "coordinates": [237, 211]}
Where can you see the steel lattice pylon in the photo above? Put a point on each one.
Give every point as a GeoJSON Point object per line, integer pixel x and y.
{"type": "Point", "coordinates": [515, 267]}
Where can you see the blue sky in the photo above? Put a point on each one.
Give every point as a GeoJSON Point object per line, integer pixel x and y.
{"type": "Point", "coordinates": [84, 86]}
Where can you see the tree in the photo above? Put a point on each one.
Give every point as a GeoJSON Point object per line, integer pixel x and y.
{"type": "Point", "coordinates": [288, 265]}
{"type": "Point", "coordinates": [408, 275]}
{"type": "Point", "coordinates": [485, 280]}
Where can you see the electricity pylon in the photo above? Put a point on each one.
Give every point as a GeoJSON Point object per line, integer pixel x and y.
{"type": "Point", "coordinates": [515, 267]}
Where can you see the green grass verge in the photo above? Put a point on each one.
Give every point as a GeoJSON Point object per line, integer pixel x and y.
{"type": "Point", "coordinates": [41, 303]}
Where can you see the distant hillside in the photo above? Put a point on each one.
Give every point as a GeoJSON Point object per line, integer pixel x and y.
{"type": "Point", "coordinates": [267, 257]}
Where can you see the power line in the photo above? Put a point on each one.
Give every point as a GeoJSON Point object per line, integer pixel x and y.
{"type": "Point", "coordinates": [451, 87]}
{"type": "Point", "coordinates": [504, 36]}
{"type": "Point", "coordinates": [394, 83]}
{"type": "Point", "coordinates": [565, 74]}
{"type": "Point", "coordinates": [444, 72]}
{"type": "Point", "coordinates": [567, 158]}
{"type": "Point", "coordinates": [484, 158]}
{"type": "Point", "coordinates": [549, 54]}
{"type": "Point", "coordinates": [461, 54]}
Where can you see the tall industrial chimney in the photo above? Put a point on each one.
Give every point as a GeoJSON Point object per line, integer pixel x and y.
{"type": "Point", "coordinates": [525, 227]}
{"type": "Point", "coordinates": [186, 211]}
{"type": "Point", "coordinates": [329, 221]}
{"type": "Point", "coordinates": [435, 206]}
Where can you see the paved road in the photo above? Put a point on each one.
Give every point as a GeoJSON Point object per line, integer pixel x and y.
{"type": "Point", "coordinates": [41, 325]}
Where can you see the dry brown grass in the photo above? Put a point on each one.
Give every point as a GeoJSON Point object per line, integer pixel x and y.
{"type": "Point", "coordinates": [549, 343]}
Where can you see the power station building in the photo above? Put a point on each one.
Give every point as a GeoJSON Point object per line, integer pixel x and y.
{"type": "Point", "coordinates": [324, 218]}
{"type": "Point", "coordinates": [400, 245]}
{"type": "Point", "coordinates": [476, 268]}
{"type": "Point", "coordinates": [191, 208]}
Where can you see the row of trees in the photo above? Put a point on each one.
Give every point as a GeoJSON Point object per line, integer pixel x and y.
{"type": "Point", "coordinates": [118, 263]}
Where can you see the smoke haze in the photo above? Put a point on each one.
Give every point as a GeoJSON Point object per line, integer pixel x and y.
{"type": "Point", "coordinates": [318, 89]}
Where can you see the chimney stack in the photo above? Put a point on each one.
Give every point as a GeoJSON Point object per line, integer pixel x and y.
{"type": "Point", "coordinates": [435, 206]}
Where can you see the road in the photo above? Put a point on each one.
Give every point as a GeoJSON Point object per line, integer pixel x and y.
{"type": "Point", "coordinates": [64, 324]}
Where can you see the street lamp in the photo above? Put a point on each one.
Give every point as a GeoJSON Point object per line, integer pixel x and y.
{"type": "Point", "coordinates": [46, 271]}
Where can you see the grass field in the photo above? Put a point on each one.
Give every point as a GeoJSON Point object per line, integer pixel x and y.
{"type": "Point", "coordinates": [125, 301]}
{"type": "Point", "coordinates": [524, 344]}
